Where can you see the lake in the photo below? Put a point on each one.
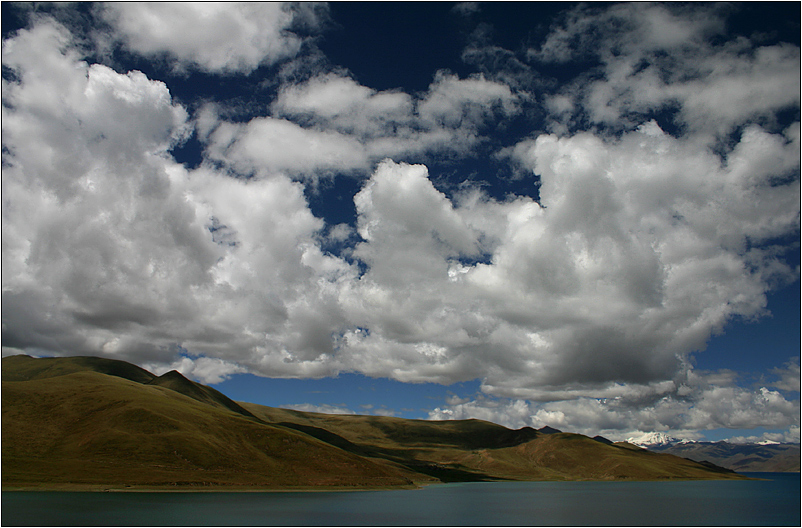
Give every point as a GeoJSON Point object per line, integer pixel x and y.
{"type": "Point", "coordinates": [773, 502]}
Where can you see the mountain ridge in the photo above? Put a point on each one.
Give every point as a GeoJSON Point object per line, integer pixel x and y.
{"type": "Point", "coordinates": [85, 423]}
{"type": "Point", "coordinates": [763, 456]}
{"type": "Point", "coordinates": [770, 458]}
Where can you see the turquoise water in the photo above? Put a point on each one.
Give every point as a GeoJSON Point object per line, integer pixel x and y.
{"type": "Point", "coordinates": [774, 502]}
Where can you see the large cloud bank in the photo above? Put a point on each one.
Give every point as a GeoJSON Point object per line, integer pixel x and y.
{"type": "Point", "coordinates": [576, 307]}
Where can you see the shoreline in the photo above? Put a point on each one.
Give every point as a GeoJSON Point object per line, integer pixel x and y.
{"type": "Point", "coordinates": [190, 489]}
{"type": "Point", "coordinates": [93, 488]}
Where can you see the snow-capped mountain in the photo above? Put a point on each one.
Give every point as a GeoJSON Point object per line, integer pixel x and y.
{"type": "Point", "coordinates": [766, 455]}
{"type": "Point", "coordinates": [763, 456]}
{"type": "Point", "coordinates": [649, 440]}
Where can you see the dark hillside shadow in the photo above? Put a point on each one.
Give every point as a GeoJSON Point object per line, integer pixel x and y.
{"type": "Point", "coordinates": [402, 457]}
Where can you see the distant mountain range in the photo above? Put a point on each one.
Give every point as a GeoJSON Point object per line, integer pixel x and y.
{"type": "Point", "coordinates": [762, 456]}
{"type": "Point", "coordinates": [86, 423]}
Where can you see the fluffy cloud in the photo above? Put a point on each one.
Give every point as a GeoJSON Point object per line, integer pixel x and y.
{"type": "Point", "coordinates": [648, 243]}
{"type": "Point", "coordinates": [452, 100]}
{"type": "Point", "coordinates": [268, 145]}
{"type": "Point", "coordinates": [692, 402]}
{"type": "Point", "coordinates": [203, 369]}
{"type": "Point", "coordinates": [789, 436]}
{"type": "Point", "coordinates": [638, 249]}
{"type": "Point", "coordinates": [343, 104]}
{"type": "Point", "coordinates": [577, 307]}
{"type": "Point", "coordinates": [129, 254]}
{"type": "Point", "coordinates": [212, 36]}
{"type": "Point", "coordinates": [366, 125]}
{"type": "Point", "coordinates": [81, 142]}
{"type": "Point", "coordinates": [789, 376]}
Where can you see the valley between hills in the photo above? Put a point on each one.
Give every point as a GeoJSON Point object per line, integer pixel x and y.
{"type": "Point", "coordinates": [87, 423]}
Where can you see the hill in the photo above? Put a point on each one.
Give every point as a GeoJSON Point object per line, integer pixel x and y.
{"type": "Point", "coordinates": [26, 368]}
{"type": "Point", "coordinates": [89, 429]}
{"type": "Point", "coordinates": [477, 450]}
{"type": "Point", "coordinates": [93, 423]}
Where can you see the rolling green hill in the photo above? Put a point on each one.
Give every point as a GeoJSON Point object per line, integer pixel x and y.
{"type": "Point", "coordinates": [93, 423]}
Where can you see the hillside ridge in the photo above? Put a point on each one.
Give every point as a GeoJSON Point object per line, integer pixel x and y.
{"type": "Point", "coordinates": [84, 423]}
{"type": "Point", "coordinates": [176, 381]}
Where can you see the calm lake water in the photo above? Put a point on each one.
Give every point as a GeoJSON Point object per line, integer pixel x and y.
{"type": "Point", "coordinates": [774, 502]}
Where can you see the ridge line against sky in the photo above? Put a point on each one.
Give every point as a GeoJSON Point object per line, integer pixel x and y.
{"type": "Point", "coordinates": [577, 215]}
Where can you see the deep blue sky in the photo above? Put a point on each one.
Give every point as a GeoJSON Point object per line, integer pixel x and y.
{"type": "Point", "coordinates": [610, 193]}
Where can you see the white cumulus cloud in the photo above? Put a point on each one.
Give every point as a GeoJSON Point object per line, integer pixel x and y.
{"type": "Point", "coordinates": [577, 306]}
{"type": "Point", "coordinates": [212, 36]}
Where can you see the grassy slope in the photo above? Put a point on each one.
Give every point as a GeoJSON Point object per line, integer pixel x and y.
{"type": "Point", "coordinates": [94, 422]}
{"type": "Point", "coordinates": [94, 429]}
{"type": "Point", "coordinates": [567, 456]}
{"type": "Point", "coordinates": [478, 450]}
{"type": "Point", "coordinates": [175, 381]}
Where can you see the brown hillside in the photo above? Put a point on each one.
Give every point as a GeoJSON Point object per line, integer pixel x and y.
{"type": "Point", "coordinates": [24, 368]}
{"type": "Point", "coordinates": [479, 450]}
{"type": "Point", "coordinates": [88, 423]}
{"type": "Point", "coordinates": [88, 428]}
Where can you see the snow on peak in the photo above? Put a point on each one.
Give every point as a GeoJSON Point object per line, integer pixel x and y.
{"type": "Point", "coordinates": [654, 439]}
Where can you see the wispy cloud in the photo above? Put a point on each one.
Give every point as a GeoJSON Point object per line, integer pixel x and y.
{"type": "Point", "coordinates": [325, 409]}
{"type": "Point", "coordinates": [659, 56]}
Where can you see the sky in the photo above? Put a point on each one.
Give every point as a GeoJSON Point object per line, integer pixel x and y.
{"type": "Point", "coordinates": [584, 216]}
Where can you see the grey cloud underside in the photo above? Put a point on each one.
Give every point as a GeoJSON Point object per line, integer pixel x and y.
{"type": "Point", "coordinates": [640, 245]}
